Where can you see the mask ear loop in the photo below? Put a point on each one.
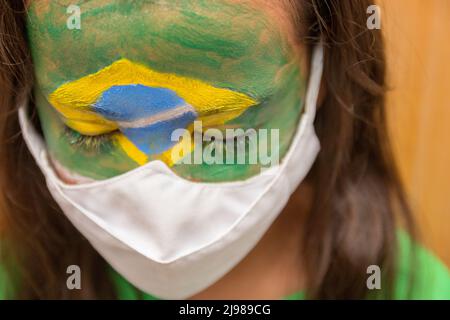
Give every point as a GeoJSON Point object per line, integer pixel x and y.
{"type": "Point", "coordinates": [32, 139]}
{"type": "Point", "coordinates": [314, 83]}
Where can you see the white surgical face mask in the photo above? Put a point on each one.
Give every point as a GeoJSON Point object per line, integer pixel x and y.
{"type": "Point", "coordinates": [171, 237]}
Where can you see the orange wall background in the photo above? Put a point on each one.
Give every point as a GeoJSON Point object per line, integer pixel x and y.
{"type": "Point", "coordinates": [418, 48]}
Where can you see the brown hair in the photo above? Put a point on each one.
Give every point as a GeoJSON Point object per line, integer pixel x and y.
{"type": "Point", "coordinates": [358, 194]}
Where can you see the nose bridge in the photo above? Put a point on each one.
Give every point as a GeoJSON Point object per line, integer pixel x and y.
{"type": "Point", "coordinates": [147, 116]}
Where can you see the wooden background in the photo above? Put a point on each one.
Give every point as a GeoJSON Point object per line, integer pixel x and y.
{"type": "Point", "coordinates": [418, 43]}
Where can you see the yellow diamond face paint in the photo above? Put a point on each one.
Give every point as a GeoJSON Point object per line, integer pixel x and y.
{"type": "Point", "coordinates": [74, 99]}
{"type": "Point", "coordinates": [111, 94]}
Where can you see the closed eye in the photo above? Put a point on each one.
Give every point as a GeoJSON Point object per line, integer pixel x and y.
{"type": "Point", "coordinates": [91, 143]}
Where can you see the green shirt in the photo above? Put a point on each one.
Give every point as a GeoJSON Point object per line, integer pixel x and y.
{"type": "Point", "coordinates": [431, 277]}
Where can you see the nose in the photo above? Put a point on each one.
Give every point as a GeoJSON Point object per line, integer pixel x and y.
{"type": "Point", "coordinates": [147, 116]}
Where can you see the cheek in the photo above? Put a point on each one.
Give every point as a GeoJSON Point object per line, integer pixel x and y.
{"type": "Point", "coordinates": [69, 176]}
{"type": "Point", "coordinates": [281, 113]}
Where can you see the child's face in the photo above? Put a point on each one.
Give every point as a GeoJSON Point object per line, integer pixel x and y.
{"type": "Point", "coordinates": [111, 93]}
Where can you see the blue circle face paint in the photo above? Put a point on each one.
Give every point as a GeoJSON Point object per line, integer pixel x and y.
{"type": "Point", "coordinates": [146, 116]}
{"type": "Point", "coordinates": [136, 101]}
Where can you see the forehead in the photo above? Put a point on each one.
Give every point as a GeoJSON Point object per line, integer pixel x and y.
{"type": "Point", "coordinates": [227, 43]}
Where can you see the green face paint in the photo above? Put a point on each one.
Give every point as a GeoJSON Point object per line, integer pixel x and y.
{"type": "Point", "coordinates": [224, 45]}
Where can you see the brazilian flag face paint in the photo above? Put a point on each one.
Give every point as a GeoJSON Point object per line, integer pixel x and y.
{"type": "Point", "coordinates": [145, 106]}
{"type": "Point", "coordinates": [110, 94]}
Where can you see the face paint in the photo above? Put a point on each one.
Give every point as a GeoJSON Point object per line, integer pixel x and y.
{"type": "Point", "coordinates": [145, 105]}
{"type": "Point", "coordinates": [109, 95]}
